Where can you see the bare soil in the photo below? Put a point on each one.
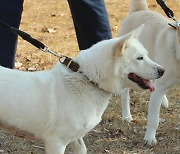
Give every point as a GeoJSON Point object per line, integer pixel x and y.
{"type": "Point", "coordinates": [50, 22]}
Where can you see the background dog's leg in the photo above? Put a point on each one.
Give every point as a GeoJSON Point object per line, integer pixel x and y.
{"type": "Point", "coordinates": [125, 104]}
{"type": "Point", "coordinates": [165, 102]}
{"type": "Point", "coordinates": [54, 146]}
{"type": "Point", "coordinates": [78, 146]}
{"type": "Point", "coordinates": [154, 107]}
{"type": "Point", "coordinates": [153, 116]}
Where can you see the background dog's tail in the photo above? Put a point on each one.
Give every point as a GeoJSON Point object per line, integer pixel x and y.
{"type": "Point", "coordinates": [138, 5]}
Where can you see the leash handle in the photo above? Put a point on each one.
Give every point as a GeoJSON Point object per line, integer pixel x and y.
{"type": "Point", "coordinates": [24, 35]}
{"type": "Point", "coordinates": [28, 38]}
{"type": "Point", "coordinates": [166, 9]}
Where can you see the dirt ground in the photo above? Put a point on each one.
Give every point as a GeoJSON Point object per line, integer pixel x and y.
{"type": "Point", "coordinates": [50, 22]}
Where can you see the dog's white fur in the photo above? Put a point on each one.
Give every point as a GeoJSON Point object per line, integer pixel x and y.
{"type": "Point", "coordinates": [163, 42]}
{"type": "Point", "coordinates": [60, 106]}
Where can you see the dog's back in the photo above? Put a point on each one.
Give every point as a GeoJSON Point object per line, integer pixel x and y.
{"type": "Point", "coordinates": [162, 41]}
{"type": "Point", "coordinates": [155, 24]}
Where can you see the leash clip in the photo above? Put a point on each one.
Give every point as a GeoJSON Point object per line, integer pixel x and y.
{"type": "Point", "coordinates": [46, 49]}
{"type": "Point", "coordinates": [69, 62]}
{"type": "Point", "coordinates": [177, 22]}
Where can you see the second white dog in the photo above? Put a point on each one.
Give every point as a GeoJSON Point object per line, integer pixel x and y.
{"type": "Point", "coordinates": [163, 43]}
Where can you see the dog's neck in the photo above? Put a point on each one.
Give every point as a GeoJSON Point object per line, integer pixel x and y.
{"type": "Point", "coordinates": [94, 83]}
{"type": "Point", "coordinates": [75, 67]}
{"type": "Point", "coordinates": [98, 70]}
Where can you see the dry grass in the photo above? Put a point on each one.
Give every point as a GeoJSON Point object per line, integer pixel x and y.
{"type": "Point", "coordinates": [50, 22]}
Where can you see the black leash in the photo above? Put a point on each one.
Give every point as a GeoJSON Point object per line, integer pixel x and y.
{"type": "Point", "coordinates": [166, 9]}
{"type": "Point", "coordinates": [169, 13]}
{"type": "Point", "coordinates": [69, 62]}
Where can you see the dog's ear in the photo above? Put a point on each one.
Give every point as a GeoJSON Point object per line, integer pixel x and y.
{"type": "Point", "coordinates": [133, 34]}
{"type": "Point", "coordinates": [122, 43]}
{"type": "Point", "coordinates": [136, 32]}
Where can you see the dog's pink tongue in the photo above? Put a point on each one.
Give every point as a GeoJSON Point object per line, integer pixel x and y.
{"type": "Point", "coordinates": [151, 87]}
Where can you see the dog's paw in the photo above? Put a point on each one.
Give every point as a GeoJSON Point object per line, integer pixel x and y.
{"type": "Point", "coordinates": [161, 120]}
{"type": "Point", "coordinates": [165, 102]}
{"type": "Point", "coordinates": [127, 118]}
{"type": "Point", "coordinates": [150, 140]}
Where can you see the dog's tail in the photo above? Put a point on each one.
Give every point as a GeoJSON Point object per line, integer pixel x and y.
{"type": "Point", "coordinates": [138, 5]}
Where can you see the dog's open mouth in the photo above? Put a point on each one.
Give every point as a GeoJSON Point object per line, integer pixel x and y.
{"type": "Point", "coordinates": [143, 83]}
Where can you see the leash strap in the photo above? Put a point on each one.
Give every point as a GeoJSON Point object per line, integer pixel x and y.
{"type": "Point", "coordinates": [167, 10]}
{"type": "Point", "coordinates": [69, 62]}
{"type": "Point", "coordinates": [24, 35]}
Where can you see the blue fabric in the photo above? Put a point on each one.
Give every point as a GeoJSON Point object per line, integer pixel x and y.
{"type": "Point", "coordinates": [89, 16]}
{"type": "Point", "coordinates": [91, 21]}
{"type": "Point", "coordinates": [10, 13]}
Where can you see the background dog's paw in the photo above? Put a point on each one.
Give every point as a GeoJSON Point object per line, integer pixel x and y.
{"type": "Point", "coordinates": [161, 120]}
{"type": "Point", "coordinates": [127, 118]}
{"type": "Point", "coordinates": [150, 141]}
{"type": "Point", "coordinates": [165, 102]}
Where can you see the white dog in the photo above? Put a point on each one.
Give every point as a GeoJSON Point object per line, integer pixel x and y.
{"type": "Point", "coordinates": [163, 42]}
{"type": "Point", "coordinates": [60, 106]}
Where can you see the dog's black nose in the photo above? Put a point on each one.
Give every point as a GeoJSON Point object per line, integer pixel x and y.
{"type": "Point", "coordinates": [161, 72]}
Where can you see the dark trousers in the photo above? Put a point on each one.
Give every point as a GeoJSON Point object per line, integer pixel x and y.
{"type": "Point", "coordinates": [89, 16]}
{"type": "Point", "coordinates": [90, 21]}
{"type": "Point", "coordinates": [10, 13]}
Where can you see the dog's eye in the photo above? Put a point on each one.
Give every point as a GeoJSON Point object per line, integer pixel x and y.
{"type": "Point", "coordinates": [139, 58]}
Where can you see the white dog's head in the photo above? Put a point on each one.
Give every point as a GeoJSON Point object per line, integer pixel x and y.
{"type": "Point", "coordinates": [119, 63]}
{"type": "Point", "coordinates": [136, 66]}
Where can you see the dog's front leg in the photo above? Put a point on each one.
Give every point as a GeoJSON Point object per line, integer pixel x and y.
{"type": "Point", "coordinates": [125, 105]}
{"type": "Point", "coordinates": [161, 87]}
{"type": "Point", "coordinates": [78, 146]}
{"type": "Point", "coordinates": [153, 117]}
{"type": "Point", "coordinates": [54, 146]}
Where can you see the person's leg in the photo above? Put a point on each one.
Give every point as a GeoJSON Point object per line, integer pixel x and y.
{"type": "Point", "coordinates": [91, 21]}
{"type": "Point", "coordinates": [10, 13]}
